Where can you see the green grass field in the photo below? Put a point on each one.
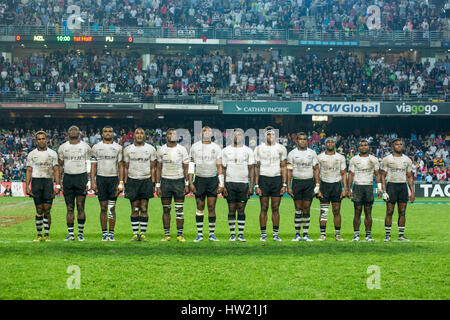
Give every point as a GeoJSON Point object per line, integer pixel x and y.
{"type": "Point", "coordinates": [224, 270]}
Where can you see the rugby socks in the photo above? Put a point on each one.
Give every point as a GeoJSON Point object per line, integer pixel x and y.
{"type": "Point", "coordinates": [39, 220]}
{"type": "Point", "coordinates": [337, 231]}
{"type": "Point", "coordinates": [297, 221]}
{"type": "Point", "coordinates": [46, 226]}
{"type": "Point", "coordinates": [179, 231]}
{"type": "Point", "coordinates": [167, 232]}
{"type": "Point", "coordinates": [368, 233]}
{"type": "Point", "coordinates": [135, 225]}
{"type": "Point", "coordinates": [401, 231]}
{"type": "Point", "coordinates": [387, 229]}
{"type": "Point", "coordinates": [199, 222]}
{"type": "Point", "coordinates": [81, 226]}
{"type": "Point", "coordinates": [70, 228]}
{"type": "Point", "coordinates": [241, 224]}
{"type": "Point", "coordinates": [232, 222]}
{"type": "Point", "coordinates": [356, 233]}
{"type": "Point", "coordinates": [323, 230]}
{"type": "Point", "coordinates": [306, 220]}
{"type": "Point", "coordinates": [179, 215]}
{"type": "Point", "coordinates": [275, 230]}
{"type": "Point", "coordinates": [143, 223]}
{"type": "Point", "coordinates": [212, 224]}
{"type": "Point", "coordinates": [104, 232]}
{"type": "Point", "coordinates": [263, 231]}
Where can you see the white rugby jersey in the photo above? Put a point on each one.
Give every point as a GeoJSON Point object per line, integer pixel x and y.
{"type": "Point", "coordinates": [205, 156]}
{"type": "Point", "coordinates": [302, 163]}
{"type": "Point", "coordinates": [42, 163]}
{"type": "Point", "coordinates": [172, 160]}
{"type": "Point", "coordinates": [270, 158]}
{"type": "Point", "coordinates": [237, 160]}
{"type": "Point", "coordinates": [107, 156]}
{"type": "Point", "coordinates": [396, 168]}
{"type": "Point", "coordinates": [363, 168]}
{"type": "Point", "coordinates": [139, 159]}
{"type": "Point", "coordinates": [75, 157]}
{"type": "Point", "coordinates": [331, 166]}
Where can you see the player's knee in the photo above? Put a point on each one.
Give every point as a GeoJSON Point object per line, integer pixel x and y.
{"type": "Point", "coordinates": [211, 208]}
{"type": "Point", "coordinates": [324, 213]}
{"type": "Point", "coordinates": [401, 213]}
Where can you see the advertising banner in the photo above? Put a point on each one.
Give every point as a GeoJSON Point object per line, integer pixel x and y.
{"type": "Point", "coordinates": [433, 190]}
{"type": "Point", "coordinates": [261, 107]}
{"type": "Point", "coordinates": [340, 108]}
{"type": "Point", "coordinates": [415, 109]}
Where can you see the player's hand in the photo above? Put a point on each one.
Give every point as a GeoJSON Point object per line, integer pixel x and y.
{"type": "Point", "coordinates": [56, 191]}
{"type": "Point", "coordinates": [385, 196]}
{"type": "Point", "coordinates": [379, 193]}
{"type": "Point", "coordinates": [220, 190]}
{"type": "Point", "coordinates": [290, 192]}
{"type": "Point", "coordinates": [28, 191]}
{"type": "Point", "coordinates": [158, 192]}
{"type": "Point", "coordinates": [412, 197]}
{"type": "Point", "coordinates": [319, 195]}
{"type": "Point", "coordinates": [186, 190]}
{"type": "Point", "coordinates": [257, 191]}
{"type": "Point", "coordinates": [94, 187]}
{"type": "Point", "coordinates": [89, 185]}
{"type": "Point", "coordinates": [225, 192]}
{"type": "Point", "coordinates": [192, 188]}
{"type": "Point", "coordinates": [120, 188]}
{"type": "Point", "coordinates": [343, 194]}
{"type": "Point", "coordinates": [250, 190]}
{"type": "Point", "coordinates": [350, 194]}
{"type": "Point", "coordinates": [282, 191]}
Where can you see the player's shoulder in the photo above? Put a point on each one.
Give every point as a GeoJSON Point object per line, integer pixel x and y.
{"type": "Point", "coordinates": [149, 146]}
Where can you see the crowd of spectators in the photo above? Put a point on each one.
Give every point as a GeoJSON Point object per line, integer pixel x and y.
{"type": "Point", "coordinates": [251, 15]}
{"type": "Point", "coordinates": [430, 152]}
{"type": "Point", "coordinates": [105, 74]}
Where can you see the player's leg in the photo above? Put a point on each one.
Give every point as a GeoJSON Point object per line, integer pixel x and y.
{"type": "Point", "coordinates": [264, 205]}
{"type": "Point", "coordinates": [111, 217]}
{"type": "Point", "coordinates": [232, 208]}
{"type": "Point", "coordinates": [368, 221]}
{"type": "Point", "coordinates": [390, 206]}
{"type": "Point", "coordinates": [199, 216]}
{"type": "Point", "coordinates": [167, 206]}
{"type": "Point", "coordinates": [305, 219]}
{"type": "Point", "coordinates": [143, 219]}
{"type": "Point", "coordinates": [47, 220]}
{"type": "Point", "coordinates": [104, 219]}
{"type": "Point", "coordinates": [211, 205]}
{"type": "Point", "coordinates": [275, 207]}
{"type": "Point", "coordinates": [179, 216]}
{"type": "Point", "coordinates": [323, 217]}
{"type": "Point", "coordinates": [241, 219]}
{"type": "Point", "coordinates": [356, 220]}
{"type": "Point", "coordinates": [70, 215]}
{"type": "Point", "coordinates": [81, 216]}
{"type": "Point", "coordinates": [135, 207]}
{"type": "Point", "coordinates": [401, 208]}
{"type": "Point", "coordinates": [298, 204]}
{"type": "Point", "coordinates": [39, 221]}
{"type": "Point", "coordinates": [336, 207]}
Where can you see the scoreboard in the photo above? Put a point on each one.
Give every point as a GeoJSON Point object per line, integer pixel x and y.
{"type": "Point", "coordinates": [74, 39]}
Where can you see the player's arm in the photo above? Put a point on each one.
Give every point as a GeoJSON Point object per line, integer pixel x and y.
{"type": "Point", "coordinates": [57, 180]}
{"type": "Point", "coordinates": [186, 177]}
{"type": "Point", "coordinates": [28, 181]}
{"type": "Point", "coordinates": [224, 172]}
{"type": "Point", "coordinates": [350, 176]}
{"type": "Point", "coordinates": [316, 174]}
{"type": "Point", "coordinates": [120, 172]}
{"type": "Point", "coordinates": [344, 182]}
{"type": "Point", "coordinates": [410, 177]}
{"type": "Point", "coordinates": [256, 170]}
{"type": "Point", "coordinates": [284, 176]}
{"type": "Point", "coordinates": [158, 178]}
{"type": "Point", "coordinates": [378, 182]}
{"type": "Point", "coordinates": [126, 166]}
{"type": "Point", "coordinates": [290, 175]}
{"type": "Point", "coordinates": [191, 172]}
{"type": "Point", "coordinates": [92, 174]}
{"type": "Point", "coordinates": [383, 185]}
{"type": "Point", "coordinates": [61, 171]}
{"type": "Point", "coordinates": [251, 172]}
{"type": "Point", "coordinates": [220, 175]}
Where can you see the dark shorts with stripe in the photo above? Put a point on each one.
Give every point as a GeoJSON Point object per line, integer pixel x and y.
{"type": "Point", "coordinates": [270, 186]}
{"type": "Point", "coordinates": [362, 195]}
{"type": "Point", "coordinates": [42, 189]}
{"type": "Point", "coordinates": [172, 188]}
{"type": "Point", "coordinates": [74, 185]}
{"type": "Point", "coordinates": [303, 189]}
{"type": "Point", "coordinates": [139, 189]}
{"type": "Point", "coordinates": [237, 192]}
{"type": "Point", "coordinates": [331, 191]}
{"type": "Point", "coordinates": [398, 192]}
{"type": "Point", "coordinates": [107, 188]}
{"type": "Point", "coordinates": [206, 187]}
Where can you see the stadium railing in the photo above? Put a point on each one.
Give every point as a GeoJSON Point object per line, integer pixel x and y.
{"type": "Point", "coordinates": [201, 98]}
{"type": "Point", "coordinates": [424, 37]}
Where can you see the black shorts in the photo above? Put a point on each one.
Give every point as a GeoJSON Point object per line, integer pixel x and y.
{"type": "Point", "coordinates": [138, 189]}
{"type": "Point", "coordinates": [172, 188]}
{"type": "Point", "coordinates": [331, 191]}
{"type": "Point", "coordinates": [362, 195]}
{"type": "Point", "coordinates": [237, 192]}
{"type": "Point", "coordinates": [398, 192]}
{"type": "Point", "coordinates": [303, 189]}
{"type": "Point", "coordinates": [42, 189]}
{"type": "Point", "coordinates": [270, 186]}
{"type": "Point", "coordinates": [107, 188]}
{"type": "Point", "coordinates": [74, 185]}
{"type": "Point", "coordinates": [206, 187]}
